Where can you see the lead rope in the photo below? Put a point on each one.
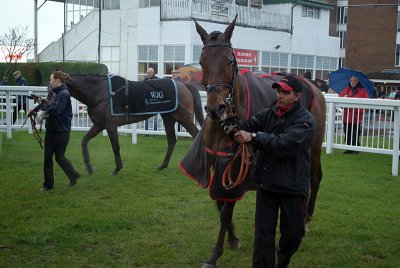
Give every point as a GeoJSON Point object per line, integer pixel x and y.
{"type": "Point", "coordinates": [242, 151]}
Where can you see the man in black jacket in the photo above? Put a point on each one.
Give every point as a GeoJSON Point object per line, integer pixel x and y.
{"type": "Point", "coordinates": [58, 128]}
{"type": "Point", "coordinates": [282, 137]}
{"type": "Point", "coordinates": [21, 100]}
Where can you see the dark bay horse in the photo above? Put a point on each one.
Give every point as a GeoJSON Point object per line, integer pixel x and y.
{"type": "Point", "coordinates": [94, 92]}
{"type": "Point", "coordinates": [230, 92]}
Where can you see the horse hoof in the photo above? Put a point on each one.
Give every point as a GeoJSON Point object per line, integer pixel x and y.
{"type": "Point", "coordinates": [115, 172]}
{"type": "Point", "coordinates": [234, 244]}
{"type": "Point", "coordinates": [161, 168]}
{"type": "Point", "coordinates": [207, 265]}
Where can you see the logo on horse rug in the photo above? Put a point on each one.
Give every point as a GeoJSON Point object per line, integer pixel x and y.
{"type": "Point", "coordinates": [144, 97]}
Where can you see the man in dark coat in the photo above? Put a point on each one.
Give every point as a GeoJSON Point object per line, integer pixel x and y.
{"type": "Point", "coordinates": [21, 100]}
{"type": "Point", "coordinates": [282, 137]}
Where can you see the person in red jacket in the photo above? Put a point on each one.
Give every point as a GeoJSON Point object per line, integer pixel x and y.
{"type": "Point", "coordinates": [352, 117]}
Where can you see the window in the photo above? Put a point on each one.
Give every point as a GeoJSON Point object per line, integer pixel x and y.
{"type": "Point", "coordinates": [196, 53]}
{"type": "Point", "coordinates": [110, 4]}
{"type": "Point", "coordinates": [342, 35]}
{"type": "Point", "coordinates": [311, 12]}
{"type": "Point", "coordinates": [149, 3]}
{"type": "Point", "coordinates": [174, 57]}
{"type": "Point", "coordinates": [147, 57]}
{"type": "Point", "coordinates": [110, 57]}
{"type": "Point", "coordinates": [274, 62]}
{"type": "Point", "coordinates": [397, 55]}
{"type": "Point", "coordinates": [300, 64]}
{"type": "Point", "coordinates": [244, 3]}
{"type": "Point", "coordinates": [325, 65]}
{"type": "Point", "coordinates": [398, 21]}
{"type": "Point", "coordinates": [341, 15]}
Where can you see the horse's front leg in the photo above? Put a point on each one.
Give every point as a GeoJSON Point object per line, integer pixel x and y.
{"type": "Point", "coordinates": [93, 131]}
{"type": "Point", "coordinates": [169, 124]}
{"type": "Point", "coordinates": [233, 240]}
{"type": "Point", "coordinates": [113, 136]}
{"type": "Point", "coordinates": [225, 217]}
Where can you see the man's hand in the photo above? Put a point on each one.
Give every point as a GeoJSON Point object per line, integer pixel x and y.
{"type": "Point", "coordinates": [243, 136]}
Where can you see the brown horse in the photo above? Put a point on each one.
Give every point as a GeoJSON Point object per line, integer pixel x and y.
{"type": "Point", "coordinates": [240, 93]}
{"type": "Point", "coordinates": [94, 92]}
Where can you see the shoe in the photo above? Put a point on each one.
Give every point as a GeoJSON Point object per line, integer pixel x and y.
{"type": "Point", "coordinates": [45, 189]}
{"type": "Point", "coordinates": [73, 181]}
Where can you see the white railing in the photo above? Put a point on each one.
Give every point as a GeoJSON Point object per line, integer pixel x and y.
{"type": "Point", "coordinates": [211, 10]}
{"type": "Point", "coordinates": [379, 131]}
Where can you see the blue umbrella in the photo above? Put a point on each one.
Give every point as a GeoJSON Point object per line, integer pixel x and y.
{"type": "Point", "coordinates": [339, 80]}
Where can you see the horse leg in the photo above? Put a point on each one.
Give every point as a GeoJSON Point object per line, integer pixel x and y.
{"type": "Point", "coordinates": [233, 240]}
{"type": "Point", "coordinates": [315, 180]}
{"type": "Point", "coordinates": [171, 140]}
{"type": "Point", "coordinates": [113, 136]}
{"type": "Point", "coordinates": [93, 131]}
{"type": "Point", "coordinates": [225, 217]}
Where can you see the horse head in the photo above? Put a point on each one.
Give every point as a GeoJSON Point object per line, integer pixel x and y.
{"type": "Point", "coordinates": [220, 70]}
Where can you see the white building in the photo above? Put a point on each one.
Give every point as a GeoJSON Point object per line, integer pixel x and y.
{"type": "Point", "coordinates": [277, 35]}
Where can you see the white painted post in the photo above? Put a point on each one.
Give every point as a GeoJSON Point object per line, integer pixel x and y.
{"type": "Point", "coordinates": [396, 141]}
{"type": "Point", "coordinates": [8, 114]}
{"type": "Point", "coordinates": [134, 134]}
{"type": "Point", "coordinates": [330, 127]}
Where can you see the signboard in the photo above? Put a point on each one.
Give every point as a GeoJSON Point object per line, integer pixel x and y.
{"type": "Point", "coordinates": [246, 57]}
{"type": "Point", "coordinates": [5, 54]}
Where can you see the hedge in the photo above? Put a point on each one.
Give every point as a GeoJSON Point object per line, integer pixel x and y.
{"type": "Point", "coordinates": [38, 73]}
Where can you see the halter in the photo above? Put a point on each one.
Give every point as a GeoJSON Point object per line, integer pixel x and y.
{"type": "Point", "coordinates": [215, 87]}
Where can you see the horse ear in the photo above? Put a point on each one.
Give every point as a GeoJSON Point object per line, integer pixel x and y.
{"type": "Point", "coordinates": [203, 34]}
{"type": "Point", "coordinates": [229, 30]}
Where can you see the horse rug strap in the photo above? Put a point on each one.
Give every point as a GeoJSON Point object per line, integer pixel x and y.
{"type": "Point", "coordinates": [140, 98]}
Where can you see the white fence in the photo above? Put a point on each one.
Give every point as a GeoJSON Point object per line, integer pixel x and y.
{"type": "Point", "coordinates": [379, 131]}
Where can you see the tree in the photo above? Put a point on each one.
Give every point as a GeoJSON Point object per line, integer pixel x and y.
{"type": "Point", "coordinates": [14, 45]}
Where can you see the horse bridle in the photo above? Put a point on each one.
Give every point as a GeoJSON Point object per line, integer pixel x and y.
{"type": "Point", "coordinates": [215, 87]}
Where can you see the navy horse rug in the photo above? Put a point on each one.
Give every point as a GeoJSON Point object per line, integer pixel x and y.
{"type": "Point", "coordinates": [143, 97]}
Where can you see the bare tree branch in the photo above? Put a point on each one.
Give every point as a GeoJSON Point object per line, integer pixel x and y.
{"type": "Point", "coordinates": [14, 44]}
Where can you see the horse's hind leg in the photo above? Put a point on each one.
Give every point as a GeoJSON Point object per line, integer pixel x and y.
{"type": "Point", "coordinates": [171, 140]}
{"type": "Point", "coordinates": [93, 131]}
{"type": "Point", "coordinates": [225, 215]}
{"type": "Point", "coordinates": [113, 136]}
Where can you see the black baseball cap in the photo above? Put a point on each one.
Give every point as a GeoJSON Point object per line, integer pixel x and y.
{"type": "Point", "coordinates": [288, 83]}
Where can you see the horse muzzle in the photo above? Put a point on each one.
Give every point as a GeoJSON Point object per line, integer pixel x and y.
{"type": "Point", "coordinates": [216, 112]}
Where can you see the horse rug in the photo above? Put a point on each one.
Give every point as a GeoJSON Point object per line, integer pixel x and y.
{"type": "Point", "coordinates": [142, 97]}
{"type": "Point", "coordinates": [200, 160]}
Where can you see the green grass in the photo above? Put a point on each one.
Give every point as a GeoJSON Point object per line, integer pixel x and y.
{"type": "Point", "coordinates": [148, 218]}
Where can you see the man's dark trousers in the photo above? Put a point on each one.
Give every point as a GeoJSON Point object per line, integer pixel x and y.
{"type": "Point", "coordinates": [292, 212]}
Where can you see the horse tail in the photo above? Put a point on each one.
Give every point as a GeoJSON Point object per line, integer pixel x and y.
{"type": "Point", "coordinates": [198, 109]}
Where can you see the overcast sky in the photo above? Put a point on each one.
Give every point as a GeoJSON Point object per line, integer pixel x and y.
{"type": "Point", "coordinates": [20, 12]}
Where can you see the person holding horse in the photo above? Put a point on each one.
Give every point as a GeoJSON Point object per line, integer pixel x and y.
{"type": "Point", "coordinates": [352, 118]}
{"type": "Point", "coordinates": [282, 136]}
{"type": "Point", "coordinates": [58, 128]}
